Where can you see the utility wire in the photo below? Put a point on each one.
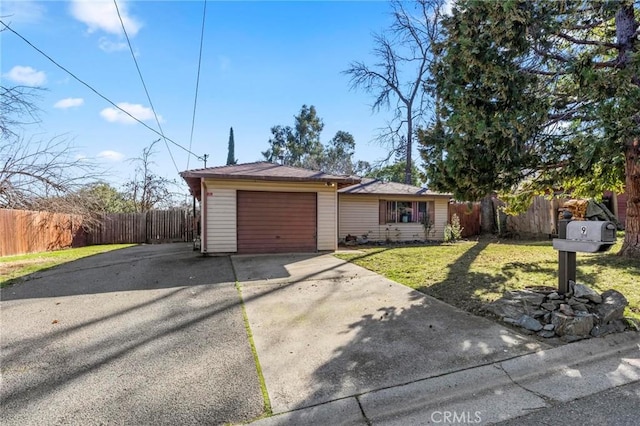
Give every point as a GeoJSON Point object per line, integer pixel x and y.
{"type": "Point", "coordinates": [133, 55]}
{"type": "Point", "coordinates": [195, 100]}
{"type": "Point", "coordinates": [95, 91]}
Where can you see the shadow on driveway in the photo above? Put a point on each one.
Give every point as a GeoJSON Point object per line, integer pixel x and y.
{"type": "Point", "coordinates": [149, 335]}
{"type": "Point", "coordinates": [145, 267]}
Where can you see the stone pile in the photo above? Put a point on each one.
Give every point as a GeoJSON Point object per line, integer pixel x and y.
{"type": "Point", "coordinates": [580, 314]}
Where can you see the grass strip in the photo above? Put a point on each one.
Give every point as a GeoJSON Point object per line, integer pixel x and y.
{"type": "Point", "coordinates": [15, 268]}
{"type": "Point", "coordinates": [263, 385]}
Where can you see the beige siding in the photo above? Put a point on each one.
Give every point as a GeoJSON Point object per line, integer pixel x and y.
{"type": "Point", "coordinates": [442, 217]}
{"type": "Point", "coordinates": [221, 220]}
{"type": "Point", "coordinates": [226, 225]}
{"type": "Point", "coordinates": [359, 215]}
{"type": "Point", "coordinates": [327, 206]}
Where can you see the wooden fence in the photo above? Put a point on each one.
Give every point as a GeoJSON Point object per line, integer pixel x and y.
{"type": "Point", "coordinates": [469, 215]}
{"type": "Point", "coordinates": [539, 221]}
{"type": "Point", "coordinates": [23, 231]}
{"type": "Point", "coordinates": [155, 226]}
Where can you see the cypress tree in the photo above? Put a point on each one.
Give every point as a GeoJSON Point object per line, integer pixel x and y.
{"type": "Point", "coordinates": [231, 155]}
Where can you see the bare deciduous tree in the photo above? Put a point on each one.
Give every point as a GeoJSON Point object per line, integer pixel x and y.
{"type": "Point", "coordinates": [147, 190]}
{"type": "Point", "coordinates": [17, 108]}
{"type": "Point", "coordinates": [404, 53]}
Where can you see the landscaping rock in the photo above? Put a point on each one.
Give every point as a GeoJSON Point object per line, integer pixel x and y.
{"type": "Point", "coordinates": [539, 313]}
{"type": "Point", "coordinates": [584, 292]}
{"type": "Point", "coordinates": [529, 323]}
{"type": "Point", "coordinates": [508, 308]}
{"type": "Point", "coordinates": [554, 296]}
{"type": "Point", "coordinates": [566, 309]}
{"type": "Point", "coordinates": [618, 325]}
{"type": "Point", "coordinates": [578, 306]}
{"type": "Point", "coordinates": [601, 330]}
{"type": "Point", "coordinates": [579, 325]}
{"type": "Point", "coordinates": [569, 338]}
{"type": "Point", "coordinates": [581, 313]}
{"type": "Point", "coordinates": [528, 297]}
{"type": "Point", "coordinates": [612, 306]}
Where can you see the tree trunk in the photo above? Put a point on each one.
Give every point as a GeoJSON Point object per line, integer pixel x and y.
{"type": "Point", "coordinates": [487, 216]}
{"type": "Point", "coordinates": [407, 169]}
{"type": "Point", "coordinates": [631, 245]}
{"type": "Point", "coordinates": [625, 33]}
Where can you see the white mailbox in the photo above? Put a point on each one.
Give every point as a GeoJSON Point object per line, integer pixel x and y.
{"type": "Point", "coordinates": [587, 237]}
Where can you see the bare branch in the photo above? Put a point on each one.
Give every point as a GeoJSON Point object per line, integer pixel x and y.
{"type": "Point", "coordinates": [406, 46]}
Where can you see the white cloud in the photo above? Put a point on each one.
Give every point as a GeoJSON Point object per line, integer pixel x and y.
{"type": "Point", "coordinates": [111, 46]}
{"type": "Point", "coordinates": [22, 12]}
{"type": "Point", "coordinates": [111, 155]}
{"type": "Point", "coordinates": [102, 15]}
{"type": "Point", "coordinates": [447, 7]}
{"type": "Point", "coordinates": [68, 103]}
{"type": "Point", "coordinates": [26, 75]}
{"type": "Point", "coordinates": [141, 112]}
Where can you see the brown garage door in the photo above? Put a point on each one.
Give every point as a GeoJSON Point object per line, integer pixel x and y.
{"type": "Point", "coordinates": [276, 222]}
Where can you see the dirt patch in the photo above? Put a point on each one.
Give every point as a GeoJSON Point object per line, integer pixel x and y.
{"type": "Point", "coordinates": [7, 268]}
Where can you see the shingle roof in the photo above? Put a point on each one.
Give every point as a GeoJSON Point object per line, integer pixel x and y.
{"type": "Point", "coordinates": [261, 170]}
{"type": "Point", "coordinates": [374, 186]}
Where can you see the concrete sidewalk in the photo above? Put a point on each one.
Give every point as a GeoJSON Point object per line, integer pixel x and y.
{"type": "Point", "coordinates": [488, 394]}
{"type": "Point", "coordinates": [340, 344]}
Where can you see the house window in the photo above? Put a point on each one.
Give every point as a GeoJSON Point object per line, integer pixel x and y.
{"type": "Point", "coordinates": [406, 211]}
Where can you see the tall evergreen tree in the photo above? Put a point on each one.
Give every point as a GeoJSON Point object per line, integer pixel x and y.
{"type": "Point", "coordinates": [536, 96]}
{"type": "Point", "coordinates": [231, 156]}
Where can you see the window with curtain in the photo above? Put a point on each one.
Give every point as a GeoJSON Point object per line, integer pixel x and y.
{"type": "Point", "coordinates": [406, 211]}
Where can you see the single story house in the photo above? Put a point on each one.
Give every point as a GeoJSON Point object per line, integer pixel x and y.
{"type": "Point", "coordinates": [266, 208]}
{"type": "Point", "coordinates": [390, 211]}
{"type": "Point", "coordinates": [270, 208]}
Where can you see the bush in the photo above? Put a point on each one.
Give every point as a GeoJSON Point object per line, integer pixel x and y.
{"type": "Point", "coordinates": [453, 230]}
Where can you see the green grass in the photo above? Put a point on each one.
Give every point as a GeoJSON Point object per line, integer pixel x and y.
{"type": "Point", "coordinates": [470, 274]}
{"type": "Point", "coordinates": [263, 384]}
{"type": "Point", "coordinates": [15, 267]}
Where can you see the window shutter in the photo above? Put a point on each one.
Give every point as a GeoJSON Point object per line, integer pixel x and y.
{"type": "Point", "coordinates": [382, 214]}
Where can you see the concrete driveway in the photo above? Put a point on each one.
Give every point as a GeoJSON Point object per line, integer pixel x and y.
{"type": "Point", "coordinates": [326, 330]}
{"type": "Point", "coordinates": [145, 335]}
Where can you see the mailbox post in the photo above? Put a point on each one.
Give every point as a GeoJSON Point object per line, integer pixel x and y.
{"type": "Point", "coordinates": [579, 236]}
{"type": "Point", "coordinates": [566, 259]}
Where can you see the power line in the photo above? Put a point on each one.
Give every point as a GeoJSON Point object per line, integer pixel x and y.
{"type": "Point", "coordinates": [145, 87]}
{"type": "Point", "coordinates": [195, 100]}
{"type": "Point", "coordinates": [78, 79]}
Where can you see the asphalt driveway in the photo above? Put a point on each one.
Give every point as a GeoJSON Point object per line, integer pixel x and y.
{"type": "Point", "coordinates": [155, 335]}
{"type": "Point", "coordinates": [144, 335]}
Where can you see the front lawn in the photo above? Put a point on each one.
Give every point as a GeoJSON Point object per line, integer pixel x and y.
{"type": "Point", "coordinates": [470, 274]}
{"type": "Point", "coordinates": [14, 267]}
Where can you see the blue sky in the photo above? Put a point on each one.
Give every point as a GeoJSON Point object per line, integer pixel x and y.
{"type": "Point", "coordinates": [261, 62]}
